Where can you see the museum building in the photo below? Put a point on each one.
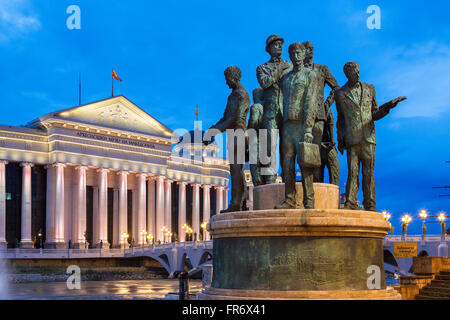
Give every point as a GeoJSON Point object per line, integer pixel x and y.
{"type": "Point", "coordinates": [93, 174]}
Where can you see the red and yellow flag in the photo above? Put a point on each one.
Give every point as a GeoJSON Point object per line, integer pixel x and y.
{"type": "Point", "coordinates": [115, 76]}
{"type": "Point", "coordinates": [196, 111]}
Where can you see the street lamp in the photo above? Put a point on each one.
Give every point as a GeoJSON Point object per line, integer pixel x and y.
{"type": "Point", "coordinates": [189, 233]}
{"type": "Point", "coordinates": [387, 216]}
{"type": "Point", "coordinates": [164, 230]}
{"type": "Point", "coordinates": [40, 239]}
{"type": "Point", "coordinates": [143, 235]}
{"type": "Point", "coordinates": [442, 218]}
{"type": "Point", "coordinates": [124, 236]}
{"type": "Point", "coordinates": [423, 214]}
{"type": "Point", "coordinates": [405, 220]}
{"type": "Point", "coordinates": [203, 226]}
{"type": "Point", "coordinates": [186, 229]}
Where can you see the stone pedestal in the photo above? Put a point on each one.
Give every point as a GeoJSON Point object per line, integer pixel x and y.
{"type": "Point", "coordinates": [266, 197]}
{"type": "Point", "coordinates": [298, 254]}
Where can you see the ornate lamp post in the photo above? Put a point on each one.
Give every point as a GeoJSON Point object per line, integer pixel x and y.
{"type": "Point", "coordinates": [203, 226]}
{"type": "Point", "coordinates": [442, 218]}
{"type": "Point", "coordinates": [387, 216]}
{"type": "Point", "coordinates": [186, 229]}
{"type": "Point", "coordinates": [150, 238]}
{"type": "Point", "coordinates": [405, 220]}
{"type": "Point", "coordinates": [423, 214]}
{"type": "Point", "coordinates": [143, 235]}
{"type": "Point", "coordinates": [164, 230]}
{"type": "Point", "coordinates": [124, 236]}
{"type": "Point", "coordinates": [40, 239]}
{"type": "Point", "coordinates": [189, 234]}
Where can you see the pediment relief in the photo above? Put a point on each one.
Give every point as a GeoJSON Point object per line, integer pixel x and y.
{"type": "Point", "coordinates": [119, 113]}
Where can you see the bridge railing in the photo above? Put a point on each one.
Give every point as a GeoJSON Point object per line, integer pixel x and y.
{"type": "Point", "coordinates": [412, 238]}
{"type": "Point", "coordinates": [168, 246]}
{"type": "Point", "coordinates": [20, 253]}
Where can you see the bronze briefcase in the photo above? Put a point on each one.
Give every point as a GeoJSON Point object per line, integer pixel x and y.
{"type": "Point", "coordinates": [309, 155]}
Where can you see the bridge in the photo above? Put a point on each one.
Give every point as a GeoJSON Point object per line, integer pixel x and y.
{"type": "Point", "coordinates": [428, 245]}
{"type": "Point", "coordinates": [172, 256]}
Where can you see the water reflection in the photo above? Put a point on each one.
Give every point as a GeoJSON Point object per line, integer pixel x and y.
{"type": "Point", "coordinates": [99, 290]}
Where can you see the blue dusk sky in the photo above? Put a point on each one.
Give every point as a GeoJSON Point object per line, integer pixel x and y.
{"type": "Point", "coordinates": [171, 56]}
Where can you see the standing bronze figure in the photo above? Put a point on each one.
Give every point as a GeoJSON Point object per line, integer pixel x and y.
{"type": "Point", "coordinates": [328, 153]}
{"type": "Point", "coordinates": [357, 110]}
{"type": "Point", "coordinates": [269, 75]}
{"type": "Point", "coordinates": [299, 113]}
{"type": "Point", "coordinates": [255, 123]}
{"type": "Point", "coordinates": [323, 77]}
{"type": "Point", "coordinates": [235, 118]}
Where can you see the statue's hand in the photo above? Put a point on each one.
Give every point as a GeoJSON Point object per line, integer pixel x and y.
{"type": "Point", "coordinates": [308, 138]}
{"type": "Point", "coordinates": [396, 101]}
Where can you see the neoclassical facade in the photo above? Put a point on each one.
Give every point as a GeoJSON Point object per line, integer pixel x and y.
{"type": "Point", "coordinates": [95, 172]}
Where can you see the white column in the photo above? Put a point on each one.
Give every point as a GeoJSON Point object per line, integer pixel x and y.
{"type": "Point", "coordinates": [123, 206]}
{"type": "Point", "coordinates": [159, 208]}
{"type": "Point", "coordinates": [168, 207]}
{"type": "Point", "coordinates": [196, 209]}
{"type": "Point", "coordinates": [79, 222]}
{"type": "Point", "coordinates": [26, 241]}
{"type": "Point", "coordinates": [181, 210]}
{"type": "Point", "coordinates": [50, 210]}
{"type": "Point", "coordinates": [141, 209]}
{"type": "Point", "coordinates": [3, 203]}
{"type": "Point", "coordinates": [59, 205]}
{"type": "Point", "coordinates": [151, 207]}
{"type": "Point", "coordinates": [103, 208]}
{"type": "Point", "coordinates": [116, 234]}
{"type": "Point", "coordinates": [225, 198]}
{"type": "Point", "coordinates": [206, 208]}
{"type": "Point", "coordinates": [95, 226]}
{"type": "Point", "coordinates": [219, 199]}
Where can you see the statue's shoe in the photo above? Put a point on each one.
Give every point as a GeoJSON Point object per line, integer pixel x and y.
{"type": "Point", "coordinates": [350, 207]}
{"type": "Point", "coordinates": [286, 205]}
{"type": "Point", "coordinates": [371, 209]}
{"type": "Point", "coordinates": [231, 209]}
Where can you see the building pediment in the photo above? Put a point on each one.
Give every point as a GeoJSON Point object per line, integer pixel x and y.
{"type": "Point", "coordinates": [117, 113]}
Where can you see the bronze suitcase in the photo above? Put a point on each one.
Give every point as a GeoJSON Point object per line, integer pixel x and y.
{"type": "Point", "coordinates": [309, 155]}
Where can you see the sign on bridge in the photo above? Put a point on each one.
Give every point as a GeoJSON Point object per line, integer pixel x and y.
{"type": "Point", "coordinates": [405, 249]}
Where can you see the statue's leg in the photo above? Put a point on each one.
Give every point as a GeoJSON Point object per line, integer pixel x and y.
{"type": "Point", "coordinates": [289, 151]}
{"type": "Point", "coordinates": [333, 166]}
{"type": "Point", "coordinates": [317, 139]}
{"type": "Point", "coordinates": [308, 187]}
{"type": "Point", "coordinates": [368, 162]}
{"type": "Point", "coordinates": [255, 168]}
{"type": "Point", "coordinates": [271, 126]}
{"type": "Point", "coordinates": [280, 130]}
{"type": "Point", "coordinates": [353, 177]}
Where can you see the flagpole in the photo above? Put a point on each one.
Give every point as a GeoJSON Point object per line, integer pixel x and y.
{"type": "Point", "coordinates": [79, 89]}
{"type": "Point", "coordinates": [112, 83]}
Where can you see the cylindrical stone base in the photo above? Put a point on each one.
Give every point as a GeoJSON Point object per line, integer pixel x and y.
{"type": "Point", "coordinates": [298, 254]}
{"type": "Point", "coordinates": [226, 294]}
{"type": "Point", "coordinates": [266, 197]}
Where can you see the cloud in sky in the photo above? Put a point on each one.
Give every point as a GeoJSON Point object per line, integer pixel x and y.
{"type": "Point", "coordinates": [16, 19]}
{"type": "Point", "coordinates": [420, 73]}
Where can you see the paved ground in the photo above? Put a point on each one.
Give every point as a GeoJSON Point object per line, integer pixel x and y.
{"type": "Point", "coordinates": [98, 290]}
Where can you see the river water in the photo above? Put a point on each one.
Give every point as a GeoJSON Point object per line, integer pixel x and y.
{"type": "Point", "coordinates": [99, 290]}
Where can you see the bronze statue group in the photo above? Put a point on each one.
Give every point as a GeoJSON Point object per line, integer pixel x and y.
{"type": "Point", "coordinates": [291, 101]}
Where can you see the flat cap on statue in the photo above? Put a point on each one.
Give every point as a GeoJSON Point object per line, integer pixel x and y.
{"type": "Point", "coordinates": [272, 38]}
